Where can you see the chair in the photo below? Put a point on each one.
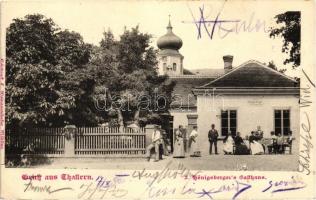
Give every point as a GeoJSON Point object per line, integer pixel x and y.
{"type": "Point", "coordinates": [275, 146]}
{"type": "Point", "coordinates": [287, 146]}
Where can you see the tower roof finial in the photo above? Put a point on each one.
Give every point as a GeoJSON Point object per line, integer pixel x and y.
{"type": "Point", "coordinates": [169, 27]}
{"type": "Point", "coordinates": [169, 40]}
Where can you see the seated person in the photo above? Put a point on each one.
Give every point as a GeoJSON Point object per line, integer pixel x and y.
{"type": "Point", "coordinates": [255, 147]}
{"type": "Point", "coordinates": [228, 143]}
{"type": "Point", "coordinates": [290, 137]}
{"type": "Point", "coordinates": [155, 143]}
{"type": "Point", "coordinates": [272, 146]}
{"type": "Point", "coordinates": [259, 133]}
{"type": "Point", "coordinates": [252, 136]}
{"type": "Point", "coordinates": [246, 141]}
{"type": "Point", "coordinates": [279, 143]}
{"type": "Point", "coordinates": [288, 142]}
{"type": "Point", "coordinates": [241, 148]}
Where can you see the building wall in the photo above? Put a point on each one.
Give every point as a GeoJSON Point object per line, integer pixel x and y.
{"type": "Point", "coordinates": [169, 60]}
{"type": "Point", "coordinates": [181, 117]}
{"type": "Point", "coordinates": [252, 111]}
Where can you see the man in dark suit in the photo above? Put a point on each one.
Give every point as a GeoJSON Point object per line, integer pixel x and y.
{"type": "Point", "coordinates": [212, 137]}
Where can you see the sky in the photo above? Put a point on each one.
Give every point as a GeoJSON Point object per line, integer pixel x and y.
{"type": "Point", "coordinates": [91, 18]}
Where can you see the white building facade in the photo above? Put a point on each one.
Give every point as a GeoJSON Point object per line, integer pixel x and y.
{"type": "Point", "coordinates": [237, 100]}
{"type": "Point", "coordinates": [249, 96]}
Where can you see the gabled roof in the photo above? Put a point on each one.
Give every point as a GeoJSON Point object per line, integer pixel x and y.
{"type": "Point", "coordinates": [252, 74]}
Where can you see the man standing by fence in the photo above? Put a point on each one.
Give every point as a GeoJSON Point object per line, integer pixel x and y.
{"type": "Point", "coordinates": [155, 142]}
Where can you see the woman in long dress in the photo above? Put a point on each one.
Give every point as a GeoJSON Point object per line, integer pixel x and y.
{"type": "Point", "coordinates": [228, 144]}
{"type": "Point", "coordinates": [255, 147]}
{"type": "Point", "coordinates": [195, 152]}
{"type": "Point", "coordinates": [178, 150]}
{"type": "Point", "coordinates": [241, 147]}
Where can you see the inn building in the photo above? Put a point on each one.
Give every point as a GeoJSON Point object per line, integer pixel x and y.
{"type": "Point", "coordinates": [236, 99]}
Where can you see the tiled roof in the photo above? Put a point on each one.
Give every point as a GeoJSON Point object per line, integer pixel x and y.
{"type": "Point", "coordinates": [209, 72]}
{"type": "Point", "coordinates": [252, 74]}
{"type": "Point", "coordinates": [182, 91]}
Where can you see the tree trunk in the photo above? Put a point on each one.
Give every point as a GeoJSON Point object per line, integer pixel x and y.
{"type": "Point", "coordinates": [136, 117]}
{"type": "Point", "coordinates": [120, 119]}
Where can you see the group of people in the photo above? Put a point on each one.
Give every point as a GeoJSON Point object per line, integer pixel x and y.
{"type": "Point", "coordinates": [229, 141]}
{"type": "Point", "coordinates": [251, 145]}
{"type": "Point", "coordinates": [178, 148]}
{"type": "Point", "coordinates": [278, 143]}
{"type": "Point", "coordinates": [232, 144]}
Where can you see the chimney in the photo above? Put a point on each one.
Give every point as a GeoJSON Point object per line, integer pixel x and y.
{"type": "Point", "coordinates": [228, 61]}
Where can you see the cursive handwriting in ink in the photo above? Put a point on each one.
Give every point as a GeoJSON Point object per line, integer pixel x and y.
{"type": "Point", "coordinates": [102, 182]}
{"type": "Point", "coordinates": [204, 23]}
{"type": "Point", "coordinates": [285, 185]}
{"type": "Point", "coordinates": [306, 137]}
{"type": "Point", "coordinates": [92, 191]}
{"type": "Point", "coordinates": [103, 188]}
{"type": "Point", "coordinates": [308, 78]}
{"type": "Point", "coordinates": [305, 94]}
{"type": "Point", "coordinates": [166, 172]}
{"type": "Point", "coordinates": [224, 27]}
{"type": "Point", "coordinates": [305, 153]}
{"type": "Point", "coordinates": [237, 186]}
{"type": "Point", "coordinates": [30, 187]}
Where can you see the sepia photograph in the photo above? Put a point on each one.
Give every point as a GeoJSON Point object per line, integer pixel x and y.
{"type": "Point", "coordinates": [100, 85]}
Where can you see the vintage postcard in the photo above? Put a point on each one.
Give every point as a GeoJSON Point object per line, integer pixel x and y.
{"type": "Point", "coordinates": [157, 99]}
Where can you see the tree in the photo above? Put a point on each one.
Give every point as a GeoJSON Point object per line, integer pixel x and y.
{"type": "Point", "coordinates": [76, 85]}
{"type": "Point", "coordinates": [53, 78]}
{"type": "Point", "coordinates": [43, 71]}
{"type": "Point", "coordinates": [71, 49]}
{"type": "Point", "coordinates": [31, 40]}
{"type": "Point", "coordinates": [31, 75]}
{"type": "Point", "coordinates": [273, 66]}
{"type": "Point", "coordinates": [290, 29]}
{"type": "Point", "coordinates": [132, 78]}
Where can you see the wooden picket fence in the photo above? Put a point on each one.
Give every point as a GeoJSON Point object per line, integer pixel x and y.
{"type": "Point", "coordinates": [88, 141]}
{"type": "Point", "coordinates": [110, 142]}
{"type": "Point", "coordinates": [42, 141]}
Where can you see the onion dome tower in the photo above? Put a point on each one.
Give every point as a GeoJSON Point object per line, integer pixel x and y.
{"type": "Point", "coordinates": [169, 59]}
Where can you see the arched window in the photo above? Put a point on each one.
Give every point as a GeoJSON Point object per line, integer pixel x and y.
{"type": "Point", "coordinates": [174, 67]}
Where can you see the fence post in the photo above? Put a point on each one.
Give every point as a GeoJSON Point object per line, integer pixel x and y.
{"type": "Point", "coordinates": [70, 131]}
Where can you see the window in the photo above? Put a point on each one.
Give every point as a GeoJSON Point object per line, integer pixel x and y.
{"type": "Point", "coordinates": [164, 67]}
{"type": "Point", "coordinates": [228, 122]}
{"type": "Point", "coordinates": [282, 122]}
{"type": "Point", "coordinates": [174, 66]}
{"type": "Point", "coordinates": [164, 58]}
